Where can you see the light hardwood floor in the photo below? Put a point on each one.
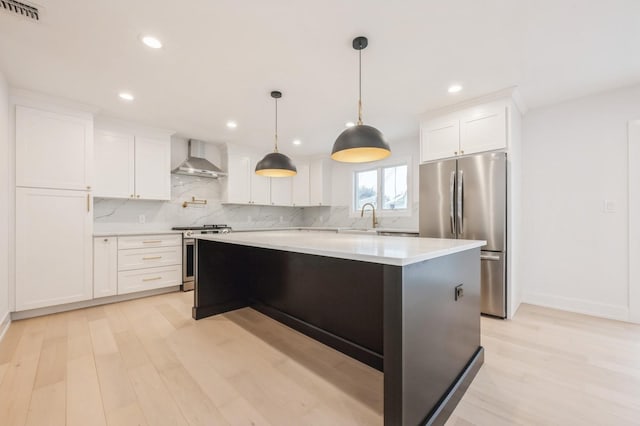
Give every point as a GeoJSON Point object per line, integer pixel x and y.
{"type": "Point", "coordinates": [146, 362]}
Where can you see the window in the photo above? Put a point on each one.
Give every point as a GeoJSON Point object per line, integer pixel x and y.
{"type": "Point", "coordinates": [384, 187]}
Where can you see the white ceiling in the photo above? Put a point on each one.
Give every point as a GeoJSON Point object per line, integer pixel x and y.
{"type": "Point", "coordinates": [221, 59]}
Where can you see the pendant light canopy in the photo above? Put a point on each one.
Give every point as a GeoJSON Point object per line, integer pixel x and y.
{"type": "Point", "coordinates": [360, 143]}
{"type": "Point", "coordinates": [276, 164]}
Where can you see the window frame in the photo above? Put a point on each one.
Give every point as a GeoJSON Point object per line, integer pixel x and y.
{"type": "Point", "coordinates": [380, 212]}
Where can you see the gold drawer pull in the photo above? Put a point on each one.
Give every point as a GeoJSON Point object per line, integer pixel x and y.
{"type": "Point", "coordinates": [152, 279]}
{"type": "Point", "coordinates": [151, 257]}
{"type": "Point", "coordinates": [152, 242]}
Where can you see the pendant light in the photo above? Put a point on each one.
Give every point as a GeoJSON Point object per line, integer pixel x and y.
{"type": "Point", "coordinates": [360, 143]}
{"type": "Point", "coordinates": [276, 164]}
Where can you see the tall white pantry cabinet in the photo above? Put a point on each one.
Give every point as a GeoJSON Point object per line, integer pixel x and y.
{"type": "Point", "coordinates": [54, 206]}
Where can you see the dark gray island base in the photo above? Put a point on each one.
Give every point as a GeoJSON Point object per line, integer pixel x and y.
{"type": "Point", "coordinates": [403, 320]}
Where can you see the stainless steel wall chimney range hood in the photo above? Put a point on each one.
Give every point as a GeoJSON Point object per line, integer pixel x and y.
{"type": "Point", "coordinates": [196, 164]}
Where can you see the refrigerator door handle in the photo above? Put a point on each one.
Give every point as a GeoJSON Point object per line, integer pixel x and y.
{"type": "Point", "coordinates": [452, 180]}
{"type": "Point", "coordinates": [460, 195]}
{"type": "Point", "coordinates": [489, 257]}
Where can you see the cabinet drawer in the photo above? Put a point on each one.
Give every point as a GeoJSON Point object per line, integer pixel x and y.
{"type": "Point", "coordinates": [149, 279]}
{"type": "Point", "coordinates": [145, 241]}
{"type": "Point", "coordinates": [149, 257]}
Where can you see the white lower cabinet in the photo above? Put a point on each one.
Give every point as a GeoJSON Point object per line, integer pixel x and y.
{"type": "Point", "coordinates": [149, 262]}
{"type": "Point", "coordinates": [53, 247]}
{"type": "Point", "coordinates": [148, 279]}
{"type": "Point", "coordinates": [105, 266]}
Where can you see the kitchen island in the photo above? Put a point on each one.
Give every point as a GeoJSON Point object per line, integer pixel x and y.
{"type": "Point", "coordinates": [409, 307]}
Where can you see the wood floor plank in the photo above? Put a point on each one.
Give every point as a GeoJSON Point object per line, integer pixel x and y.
{"type": "Point", "coordinates": [48, 405]}
{"type": "Point", "coordinates": [52, 365]}
{"type": "Point", "coordinates": [156, 402]}
{"type": "Point", "coordinates": [84, 401]}
{"type": "Point", "coordinates": [115, 387]}
{"type": "Point", "coordinates": [16, 389]}
{"type": "Point", "coordinates": [129, 415]}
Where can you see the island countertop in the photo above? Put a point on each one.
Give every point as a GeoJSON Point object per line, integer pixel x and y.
{"type": "Point", "coordinates": [398, 251]}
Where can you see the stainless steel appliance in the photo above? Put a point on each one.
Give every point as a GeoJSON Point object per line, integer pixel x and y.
{"type": "Point", "coordinates": [188, 249]}
{"type": "Point", "coordinates": [467, 198]}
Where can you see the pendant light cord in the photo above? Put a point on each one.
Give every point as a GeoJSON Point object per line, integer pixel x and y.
{"type": "Point", "coordinates": [276, 139]}
{"type": "Point", "coordinates": [360, 87]}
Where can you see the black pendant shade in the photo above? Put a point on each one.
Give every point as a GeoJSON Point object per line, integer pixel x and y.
{"type": "Point", "coordinates": [276, 164]}
{"type": "Point", "coordinates": [360, 143]}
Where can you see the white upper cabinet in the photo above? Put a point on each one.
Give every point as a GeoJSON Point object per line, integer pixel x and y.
{"type": "Point", "coordinates": [53, 247]}
{"type": "Point", "coordinates": [281, 191]}
{"type": "Point", "coordinates": [471, 130]}
{"type": "Point", "coordinates": [260, 186]}
{"type": "Point", "coordinates": [300, 185]}
{"type": "Point", "coordinates": [320, 182]}
{"type": "Point", "coordinates": [239, 179]}
{"type": "Point", "coordinates": [440, 139]}
{"type": "Point", "coordinates": [131, 166]}
{"type": "Point", "coordinates": [114, 165]}
{"type": "Point", "coordinates": [153, 168]}
{"type": "Point", "coordinates": [53, 150]}
{"type": "Point", "coordinates": [483, 128]}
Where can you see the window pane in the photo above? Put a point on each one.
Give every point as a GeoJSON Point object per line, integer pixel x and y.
{"type": "Point", "coordinates": [394, 195]}
{"type": "Point", "coordinates": [366, 188]}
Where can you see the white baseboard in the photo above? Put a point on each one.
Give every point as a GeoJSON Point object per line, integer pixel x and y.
{"type": "Point", "coordinates": [580, 306]}
{"type": "Point", "coordinates": [88, 303]}
{"type": "Point", "coordinates": [5, 322]}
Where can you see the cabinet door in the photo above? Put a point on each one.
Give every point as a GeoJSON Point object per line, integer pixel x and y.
{"type": "Point", "coordinates": [439, 139]}
{"type": "Point", "coordinates": [114, 165]}
{"type": "Point", "coordinates": [153, 168]}
{"type": "Point", "coordinates": [281, 191]}
{"type": "Point", "coordinates": [483, 128]}
{"type": "Point", "coordinates": [105, 266]}
{"type": "Point", "coordinates": [53, 150]}
{"type": "Point", "coordinates": [319, 183]}
{"type": "Point", "coordinates": [300, 185]}
{"type": "Point", "coordinates": [53, 247]}
{"type": "Point", "coordinates": [239, 181]}
{"type": "Point", "coordinates": [260, 187]}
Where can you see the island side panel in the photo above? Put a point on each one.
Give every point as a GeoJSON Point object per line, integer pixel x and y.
{"type": "Point", "coordinates": [336, 301]}
{"type": "Point", "coordinates": [440, 336]}
{"type": "Point", "coordinates": [221, 278]}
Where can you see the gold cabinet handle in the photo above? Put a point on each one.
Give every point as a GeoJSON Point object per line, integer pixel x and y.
{"type": "Point", "coordinates": [138, 196]}
{"type": "Point", "coordinates": [152, 242]}
{"type": "Point", "coordinates": [152, 279]}
{"type": "Point", "coordinates": [88, 203]}
{"type": "Point", "coordinates": [151, 257]}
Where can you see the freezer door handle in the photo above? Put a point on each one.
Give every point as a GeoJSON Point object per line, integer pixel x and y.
{"type": "Point", "coordinates": [460, 195]}
{"type": "Point", "coordinates": [489, 257]}
{"type": "Point", "coordinates": [452, 180]}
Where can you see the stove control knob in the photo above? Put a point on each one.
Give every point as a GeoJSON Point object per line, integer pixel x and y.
{"type": "Point", "coordinates": [188, 233]}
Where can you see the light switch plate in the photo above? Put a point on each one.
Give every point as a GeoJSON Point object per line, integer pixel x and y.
{"type": "Point", "coordinates": [609, 206]}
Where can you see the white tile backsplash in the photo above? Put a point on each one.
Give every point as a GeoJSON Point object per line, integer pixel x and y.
{"type": "Point", "coordinates": [118, 215]}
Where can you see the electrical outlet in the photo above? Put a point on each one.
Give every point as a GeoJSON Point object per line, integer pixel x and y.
{"type": "Point", "coordinates": [609, 206]}
{"type": "Point", "coordinates": [459, 292]}
{"type": "Point", "coordinates": [142, 218]}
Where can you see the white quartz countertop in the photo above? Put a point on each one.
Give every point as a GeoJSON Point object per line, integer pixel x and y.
{"type": "Point", "coordinates": [398, 251]}
{"type": "Point", "coordinates": [130, 233]}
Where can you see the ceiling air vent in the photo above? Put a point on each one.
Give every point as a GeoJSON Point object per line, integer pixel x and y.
{"type": "Point", "coordinates": [21, 9]}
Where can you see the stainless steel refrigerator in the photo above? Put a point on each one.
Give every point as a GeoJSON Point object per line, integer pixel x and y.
{"type": "Point", "coordinates": [467, 198]}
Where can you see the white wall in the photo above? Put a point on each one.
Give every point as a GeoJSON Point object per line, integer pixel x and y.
{"type": "Point", "coordinates": [574, 254]}
{"type": "Point", "coordinates": [4, 202]}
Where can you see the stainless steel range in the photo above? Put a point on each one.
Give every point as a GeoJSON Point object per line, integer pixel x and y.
{"type": "Point", "coordinates": [188, 246]}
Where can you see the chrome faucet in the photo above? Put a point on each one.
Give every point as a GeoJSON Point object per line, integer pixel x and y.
{"type": "Point", "coordinates": [373, 212]}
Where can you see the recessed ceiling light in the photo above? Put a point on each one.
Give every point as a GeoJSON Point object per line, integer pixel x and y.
{"type": "Point", "coordinates": [152, 42]}
{"type": "Point", "coordinates": [349, 124]}
{"type": "Point", "coordinates": [297, 142]}
{"type": "Point", "coordinates": [126, 96]}
{"type": "Point", "coordinates": [232, 124]}
{"type": "Point", "coordinates": [455, 88]}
